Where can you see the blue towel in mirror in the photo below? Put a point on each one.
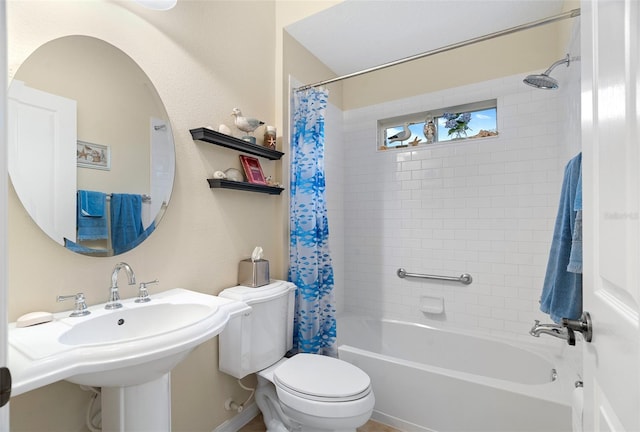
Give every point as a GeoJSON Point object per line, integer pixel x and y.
{"type": "Point", "coordinates": [126, 221]}
{"type": "Point", "coordinates": [91, 219]}
{"type": "Point", "coordinates": [562, 289]}
{"type": "Point", "coordinates": [75, 247]}
{"type": "Point", "coordinates": [92, 204]}
{"type": "Point", "coordinates": [141, 237]}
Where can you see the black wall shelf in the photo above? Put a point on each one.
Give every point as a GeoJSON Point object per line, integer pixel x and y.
{"type": "Point", "coordinates": [224, 140]}
{"type": "Point", "coordinates": [244, 186]}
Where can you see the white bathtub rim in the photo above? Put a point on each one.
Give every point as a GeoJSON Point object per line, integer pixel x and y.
{"type": "Point", "coordinates": [558, 391]}
{"type": "Point", "coordinates": [557, 352]}
{"type": "Point", "coordinates": [551, 350]}
{"type": "Point", "coordinates": [552, 391]}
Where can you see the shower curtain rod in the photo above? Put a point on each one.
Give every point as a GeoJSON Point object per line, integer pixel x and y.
{"type": "Point", "coordinates": [569, 14]}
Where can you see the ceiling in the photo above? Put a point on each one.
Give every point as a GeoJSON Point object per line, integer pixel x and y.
{"type": "Point", "coordinates": [359, 34]}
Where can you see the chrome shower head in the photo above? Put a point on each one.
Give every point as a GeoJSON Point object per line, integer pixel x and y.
{"type": "Point", "coordinates": [543, 80]}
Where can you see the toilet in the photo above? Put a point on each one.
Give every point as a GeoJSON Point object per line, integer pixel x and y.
{"type": "Point", "coordinates": [306, 392]}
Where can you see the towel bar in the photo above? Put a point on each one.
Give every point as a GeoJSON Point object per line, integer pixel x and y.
{"type": "Point", "coordinates": [145, 197]}
{"type": "Point", "coordinates": [464, 278]}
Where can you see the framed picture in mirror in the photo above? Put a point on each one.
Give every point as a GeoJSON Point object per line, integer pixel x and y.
{"type": "Point", "coordinates": [96, 156]}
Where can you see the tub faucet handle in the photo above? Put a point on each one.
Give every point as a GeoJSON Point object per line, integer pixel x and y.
{"type": "Point", "coordinates": [582, 325]}
{"type": "Point", "coordinates": [571, 337]}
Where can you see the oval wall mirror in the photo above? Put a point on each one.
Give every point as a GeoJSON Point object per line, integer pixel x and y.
{"type": "Point", "coordinates": [91, 152]}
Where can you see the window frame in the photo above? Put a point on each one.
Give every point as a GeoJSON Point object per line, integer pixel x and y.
{"type": "Point", "coordinates": [420, 117]}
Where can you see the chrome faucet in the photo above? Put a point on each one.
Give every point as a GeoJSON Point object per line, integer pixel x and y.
{"type": "Point", "coordinates": [555, 330]}
{"type": "Point", "coordinates": [114, 295]}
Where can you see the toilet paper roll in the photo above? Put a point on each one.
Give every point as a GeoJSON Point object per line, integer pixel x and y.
{"type": "Point", "coordinates": [577, 408]}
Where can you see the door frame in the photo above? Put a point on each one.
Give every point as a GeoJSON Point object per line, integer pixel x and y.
{"type": "Point", "coordinates": [4, 175]}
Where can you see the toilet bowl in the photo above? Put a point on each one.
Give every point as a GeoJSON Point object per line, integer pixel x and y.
{"type": "Point", "coordinates": [315, 393]}
{"type": "Point", "coordinates": [306, 392]}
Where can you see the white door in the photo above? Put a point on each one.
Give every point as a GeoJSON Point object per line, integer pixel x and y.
{"type": "Point", "coordinates": [42, 157]}
{"type": "Point", "coordinates": [611, 168]}
{"type": "Point", "coordinates": [4, 408]}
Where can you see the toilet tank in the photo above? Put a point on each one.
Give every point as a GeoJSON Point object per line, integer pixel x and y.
{"type": "Point", "coordinates": [254, 341]}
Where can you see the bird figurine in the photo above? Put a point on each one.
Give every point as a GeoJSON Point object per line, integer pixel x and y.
{"type": "Point", "coordinates": [245, 124]}
{"type": "Point", "coordinates": [401, 136]}
{"type": "Point", "coordinates": [429, 130]}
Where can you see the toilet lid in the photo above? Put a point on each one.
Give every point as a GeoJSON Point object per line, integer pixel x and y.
{"type": "Point", "coordinates": [320, 377]}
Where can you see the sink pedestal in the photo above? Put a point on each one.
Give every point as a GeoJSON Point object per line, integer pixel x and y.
{"type": "Point", "coordinates": [143, 407]}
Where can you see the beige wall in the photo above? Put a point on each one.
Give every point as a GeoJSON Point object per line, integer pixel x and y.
{"type": "Point", "coordinates": [530, 50]}
{"type": "Point", "coordinates": [204, 58]}
{"type": "Point", "coordinates": [522, 52]}
{"type": "Point", "coordinates": [295, 60]}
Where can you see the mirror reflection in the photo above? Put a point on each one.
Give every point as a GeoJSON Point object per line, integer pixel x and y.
{"type": "Point", "coordinates": [91, 152]}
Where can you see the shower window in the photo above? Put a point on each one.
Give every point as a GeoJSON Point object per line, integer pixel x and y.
{"type": "Point", "coordinates": [470, 121]}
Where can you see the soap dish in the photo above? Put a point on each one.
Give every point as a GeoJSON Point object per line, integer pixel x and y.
{"type": "Point", "coordinates": [432, 305]}
{"type": "Point", "coordinates": [34, 318]}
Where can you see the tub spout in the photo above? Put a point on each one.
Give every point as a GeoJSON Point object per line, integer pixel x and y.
{"type": "Point", "coordinates": [555, 330]}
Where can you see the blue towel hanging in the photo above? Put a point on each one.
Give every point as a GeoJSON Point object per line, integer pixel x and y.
{"type": "Point", "coordinates": [562, 290]}
{"type": "Point", "coordinates": [126, 221]}
{"type": "Point", "coordinates": [575, 258]}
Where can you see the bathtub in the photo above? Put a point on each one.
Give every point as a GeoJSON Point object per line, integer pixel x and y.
{"type": "Point", "coordinates": [427, 379]}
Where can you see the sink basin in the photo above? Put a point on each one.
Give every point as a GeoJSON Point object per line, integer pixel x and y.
{"type": "Point", "coordinates": [116, 348]}
{"type": "Point", "coordinates": [128, 324]}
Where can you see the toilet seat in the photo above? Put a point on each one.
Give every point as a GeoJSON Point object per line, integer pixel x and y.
{"type": "Point", "coordinates": [321, 378]}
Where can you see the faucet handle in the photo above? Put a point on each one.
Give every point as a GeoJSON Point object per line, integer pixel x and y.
{"type": "Point", "coordinates": [80, 308]}
{"type": "Point", "coordinates": [582, 325]}
{"type": "Point", "coordinates": [143, 294]}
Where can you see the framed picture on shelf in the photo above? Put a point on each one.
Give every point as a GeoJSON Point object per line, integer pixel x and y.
{"type": "Point", "coordinates": [252, 170]}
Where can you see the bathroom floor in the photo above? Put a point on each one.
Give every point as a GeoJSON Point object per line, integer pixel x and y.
{"type": "Point", "coordinates": [257, 425]}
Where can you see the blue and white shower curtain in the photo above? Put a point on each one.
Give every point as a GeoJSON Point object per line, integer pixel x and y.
{"type": "Point", "coordinates": [309, 259]}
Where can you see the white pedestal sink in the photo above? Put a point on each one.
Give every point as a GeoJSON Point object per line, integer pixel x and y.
{"type": "Point", "coordinates": [129, 352]}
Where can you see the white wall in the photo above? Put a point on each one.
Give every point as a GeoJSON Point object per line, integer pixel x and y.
{"type": "Point", "coordinates": [485, 207]}
{"type": "Point", "coordinates": [334, 173]}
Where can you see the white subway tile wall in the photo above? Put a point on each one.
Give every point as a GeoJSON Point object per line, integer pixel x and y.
{"type": "Point", "coordinates": [334, 176]}
{"type": "Point", "coordinates": [485, 207]}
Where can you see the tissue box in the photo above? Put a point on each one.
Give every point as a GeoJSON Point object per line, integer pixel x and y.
{"type": "Point", "coordinates": [253, 273]}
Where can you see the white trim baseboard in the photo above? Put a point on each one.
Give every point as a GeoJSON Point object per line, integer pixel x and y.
{"type": "Point", "coordinates": [236, 423]}
{"type": "Point", "coordinates": [397, 423]}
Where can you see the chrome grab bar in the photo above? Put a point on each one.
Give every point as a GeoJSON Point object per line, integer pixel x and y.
{"type": "Point", "coordinates": [464, 278]}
